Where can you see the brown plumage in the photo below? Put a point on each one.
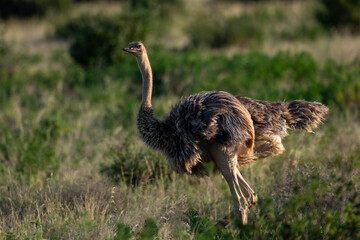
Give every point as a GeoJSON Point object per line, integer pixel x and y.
{"type": "Point", "coordinates": [208, 116]}
{"type": "Point", "coordinates": [219, 127]}
{"type": "Point", "coordinates": [272, 119]}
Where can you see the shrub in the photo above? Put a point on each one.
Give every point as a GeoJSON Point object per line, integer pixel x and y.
{"type": "Point", "coordinates": [123, 232]}
{"type": "Point", "coordinates": [134, 167]}
{"type": "Point", "coordinates": [244, 30]}
{"type": "Point", "coordinates": [93, 38]}
{"type": "Point", "coordinates": [340, 14]}
{"type": "Point", "coordinates": [303, 31]}
{"type": "Point", "coordinates": [159, 9]}
{"type": "Point", "coordinates": [150, 230]}
{"type": "Point", "coordinates": [29, 8]}
{"type": "Point", "coordinates": [199, 226]}
{"type": "Point", "coordinates": [100, 38]}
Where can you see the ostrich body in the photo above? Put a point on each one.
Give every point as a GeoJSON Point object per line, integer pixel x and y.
{"type": "Point", "coordinates": [230, 131]}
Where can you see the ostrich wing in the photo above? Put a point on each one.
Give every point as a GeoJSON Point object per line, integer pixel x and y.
{"type": "Point", "coordinates": [209, 116]}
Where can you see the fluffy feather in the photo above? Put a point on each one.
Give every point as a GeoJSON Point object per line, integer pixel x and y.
{"type": "Point", "coordinates": [216, 126]}
{"type": "Point", "coordinates": [217, 116]}
{"type": "Point", "coordinates": [274, 118]}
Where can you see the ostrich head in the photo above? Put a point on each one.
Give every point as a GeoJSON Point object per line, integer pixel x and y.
{"type": "Point", "coordinates": [136, 48]}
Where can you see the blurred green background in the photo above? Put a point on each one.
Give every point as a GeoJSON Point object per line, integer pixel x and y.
{"type": "Point", "coordinates": [72, 165]}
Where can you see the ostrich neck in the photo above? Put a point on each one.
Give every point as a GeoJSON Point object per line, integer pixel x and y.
{"type": "Point", "coordinates": [150, 128]}
{"type": "Point", "coordinates": [145, 69]}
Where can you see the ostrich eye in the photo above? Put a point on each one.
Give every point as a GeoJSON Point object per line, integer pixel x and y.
{"type": "Point", "coordinates": [139, 46]}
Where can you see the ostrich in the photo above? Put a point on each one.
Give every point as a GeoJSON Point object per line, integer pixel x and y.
{"type": "Point", "coordinates": [230, 131]}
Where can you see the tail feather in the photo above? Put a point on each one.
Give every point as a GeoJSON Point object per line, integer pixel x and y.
{"type": "Point", "coordinates": [271, 121]}
{"type": "Point", "coordinates": [304, 115]}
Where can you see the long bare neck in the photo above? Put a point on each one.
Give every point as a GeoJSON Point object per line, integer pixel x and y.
{"type": "Point", "coordinates": [148, 125]}
{"type": "Point", "coordinates": [147, 81]}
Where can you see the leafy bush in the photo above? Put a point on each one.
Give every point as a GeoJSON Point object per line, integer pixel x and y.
{"type": "Point", "coordinates": [149, 231]}
{"type": "Point", "coordinates": [29, 8]}
{"type": "Point", "coordinates": [243, 31]}
{"type": "Point", "coordinates": [303, 31]}
{"type": "Point", "coordinates": [340, 14]}
{"type": "Point", "coordinates": [134, 168]}
{"type": "Point", "coordinates": [122, 232]}
{"type": "Point", "coordinates": [201, 227]}
{"type": "Point", "coordinates": [159, 9]}
{"type": "Point", "coordinates": [93, 38]}
{"type": "Point", "coordinates": [98, 39]}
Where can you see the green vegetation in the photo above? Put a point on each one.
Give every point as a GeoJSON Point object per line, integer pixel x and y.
{"type": "Point", "coordinates": [95, 39]}
{"type": "Point", "coordinates": [30, 8]}
{"type": "Point", "coordinates": [243, 30]}
{"type": "Point", "coordinates": [98, 39]}
{"type": "Point", "coordinates": [72, 165]}
{"type": "Point", "coordinates": [340, 14]}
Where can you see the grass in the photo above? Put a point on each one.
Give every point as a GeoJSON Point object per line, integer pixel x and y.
{"type": "Point", "coordinates": [72, 165]}
{"type": "Point", "coordinates": [82, 203]}
{"type": "Point", "coordinates": [58, 136]}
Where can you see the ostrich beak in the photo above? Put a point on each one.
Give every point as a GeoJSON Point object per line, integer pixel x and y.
{"type": "Point", "coordinates": [130, 50]}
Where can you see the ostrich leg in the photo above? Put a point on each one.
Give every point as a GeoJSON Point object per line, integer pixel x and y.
{"type": "Point", "coordinates": [227, 164]}
{"type": "Point", "coordinates": [251, 199]}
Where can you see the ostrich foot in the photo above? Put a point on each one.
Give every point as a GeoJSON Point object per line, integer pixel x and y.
{"type": "Point", "coordinates": [242, 214]}
{"type": "Point", "coordinates": [251, 200]}
{"type": "Point", "coordinates": [249, 194]}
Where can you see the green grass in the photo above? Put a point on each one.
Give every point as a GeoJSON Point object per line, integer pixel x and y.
{"type": "Point", "coordinates": [67, 135]}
